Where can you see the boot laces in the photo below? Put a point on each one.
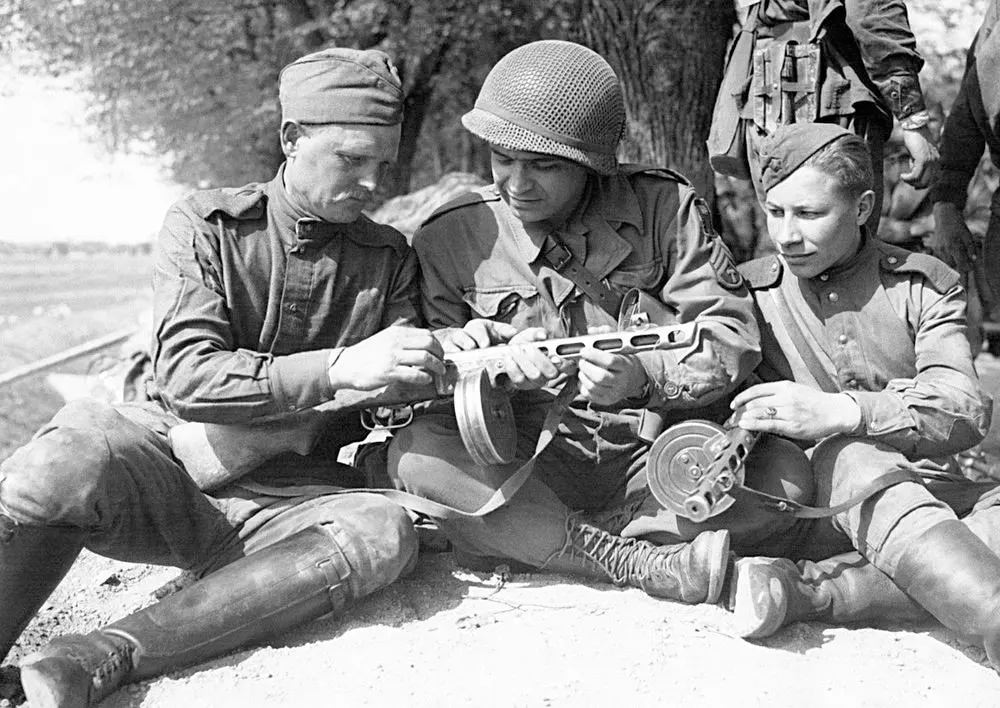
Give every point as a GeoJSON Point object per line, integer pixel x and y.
{"type": "Point", "coordinates": [623, 559]}
{"type": "Point", "coordinates": [109, 669]}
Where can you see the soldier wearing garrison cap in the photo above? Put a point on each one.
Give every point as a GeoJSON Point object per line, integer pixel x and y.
{"type": "Point", "coordinates": [268, 298]}
{"type": "Point", "coordinates": [548, 250]}
{"type": "Point", "coordinates": [865, 359]}
{"type": "Point", "coordinates": [849, 62]}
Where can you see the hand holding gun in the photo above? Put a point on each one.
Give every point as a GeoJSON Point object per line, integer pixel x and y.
{"type": "Point", "coordinates": [216, 454]}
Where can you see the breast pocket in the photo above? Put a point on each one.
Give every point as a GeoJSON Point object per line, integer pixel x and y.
{"type": "Point", "coordinates": [646, 276]}
{"type": "Point", "coordinates": [516, 305]}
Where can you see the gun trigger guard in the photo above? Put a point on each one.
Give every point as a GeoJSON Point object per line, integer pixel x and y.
{"type": "Point", "coordinates": [386, 418]}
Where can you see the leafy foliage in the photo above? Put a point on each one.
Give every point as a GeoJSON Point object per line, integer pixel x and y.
{"type": "Point", "coordinates": [197, 78]}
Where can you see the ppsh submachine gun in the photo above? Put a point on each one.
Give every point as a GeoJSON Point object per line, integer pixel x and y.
{"type": "Point", "coordinates": [697, 469]}
{"type": "Point", "coordinates": [215, 454]}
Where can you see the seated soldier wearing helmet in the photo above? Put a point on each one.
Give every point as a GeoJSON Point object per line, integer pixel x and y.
{"type": "Point", "coordinates": [864, 353]}
{"type": "Point", "coordinates": [503, 264]}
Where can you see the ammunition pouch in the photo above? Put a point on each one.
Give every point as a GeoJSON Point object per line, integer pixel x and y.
{"type": "Point", "coordinates": [785, 80]}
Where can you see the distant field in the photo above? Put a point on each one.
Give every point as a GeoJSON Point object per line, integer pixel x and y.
{"type": "Point", "coordinates": [82, 283]}
{"type": "Point", "coordinates": [48, 304]}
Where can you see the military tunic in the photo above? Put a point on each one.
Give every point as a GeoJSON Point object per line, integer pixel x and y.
{"type": "Point", "coordinates": [251, 301]}
{"type": "Point", "coordinates": [637, 229]}
{"type": "Point", "coordinates": [645, 232]}
{"type": "Point", "coordinates": [251, 297]}
{"type": "Point", "coordinates": [888, 329]}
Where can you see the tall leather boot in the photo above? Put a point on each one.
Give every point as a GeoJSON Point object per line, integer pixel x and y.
{"type": "Point", "coordinates": [770, 593]}
{"type": "Point", "coordinates": [690, 572]}
{"type": "Point", "coordinates": [956, 577]}
{"type": "Point", "coordinates": [33, 559]}
{"type": "Point", "coordinates": [299, 578]}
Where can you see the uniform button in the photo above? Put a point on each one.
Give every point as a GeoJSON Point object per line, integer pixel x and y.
{"type": "Point", "coordinates": [824, 277]}
{"type": "Point", "coordinates": [892, 259]}
{"type": "Point", "coordinates": [852, 384]}
{"type": "Point", "coordinates": [671, 390]}
{"type": "Point", "coordinates": [842, 339]}
{"type": "Point", "coordinates": [834, 297]}
{"type": "Point", "coordinates": [293, 307]}
{"type": "Point", "coordinates": [774, 267]}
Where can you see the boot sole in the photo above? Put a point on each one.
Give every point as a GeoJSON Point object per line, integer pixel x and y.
{"type": "Point", "coordinates": [720, 555]}
{"type": "Point", "coordinates": [36, 681]}
{"type": "Point", "coordinates": [752, 620]}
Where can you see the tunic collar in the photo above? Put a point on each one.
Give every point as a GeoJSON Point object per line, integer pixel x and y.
{"type": "Point", "coordinates": [294, 225]}
{"type": "Point", "coordinates": [865, 254]}
{"type": "Point", "coordinates": [591, 232]}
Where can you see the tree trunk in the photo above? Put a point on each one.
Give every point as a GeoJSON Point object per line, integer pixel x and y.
{"type": "Point", "coordinates": [669, 55]}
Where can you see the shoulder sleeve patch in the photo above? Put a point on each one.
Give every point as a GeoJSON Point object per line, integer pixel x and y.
{"type": "Point", "coordinates": [762, 273]}
{"type": "Point", "coordinates": [721, 259]}
{"type": "Point", "coordinates": [665, 172]}
{"type": "Point", "coordinates": [478, 196]}
{"type": "Point", "coordinates": [243, 203]}
{"type": "Point", "coordinates": [899, 260]}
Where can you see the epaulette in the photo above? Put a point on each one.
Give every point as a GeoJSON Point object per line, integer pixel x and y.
{"type": "Point", "coordinates": [895, 259]}
{"type": "Point", "coordinates": [241, 203]}
{"type": "Point", "coordinates": [761, 273]}
{"type": "Point", "coordinates": [665, 172]}
{"type": "Point", "coordinates": [479, 196]}
{"type": "Point", "coordinates": [374, 234]}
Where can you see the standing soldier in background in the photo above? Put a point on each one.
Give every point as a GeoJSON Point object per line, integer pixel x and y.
{"type": "Point", "coordinates": [549, 250]}
{"type": "Point", "coordinates": [849, 62]}
{"type": "Point", "coordinates": [267, 300]}
{"type": "Point", "coordinates": [865, 360]}
{"type": "Point", "coordinates": [972, 125]}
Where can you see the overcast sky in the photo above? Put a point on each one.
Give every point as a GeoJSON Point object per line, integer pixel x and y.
{"type": "Point", "coordinates": [60, 184]}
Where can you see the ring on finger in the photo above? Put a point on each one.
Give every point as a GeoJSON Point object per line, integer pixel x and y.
{"type": "Point", "coordinates": [770, 411]}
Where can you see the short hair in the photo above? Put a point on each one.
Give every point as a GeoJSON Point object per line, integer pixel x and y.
{"type": "Point", "coordinates": [849, 160]}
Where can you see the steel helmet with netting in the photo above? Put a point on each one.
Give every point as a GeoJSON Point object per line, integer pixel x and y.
{"type": "Point", "coordinates": [556, 98]}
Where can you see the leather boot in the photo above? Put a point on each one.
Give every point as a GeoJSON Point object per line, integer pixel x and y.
{"type": "Point", "coordinates": [33, 559]}
{"type": "Point", "coordinates": [690, 572]}
{"type": "Point", "coordinates": [956, 577]}
{"type": "Point", "coordinates": [770, 593]}
{"type": "Point", "coordinates": [256, 597]}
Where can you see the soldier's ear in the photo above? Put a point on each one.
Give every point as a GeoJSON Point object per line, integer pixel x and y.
{"type": "Point", "coordinates": [866, 204]}
{"type": "Point", "coordinates": [289, 135]}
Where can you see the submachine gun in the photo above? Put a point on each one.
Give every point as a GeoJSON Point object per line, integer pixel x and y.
{"type": "Point", "coordinates": [215, 454]}
{"type": "Point", "coordinates": [696, 468]}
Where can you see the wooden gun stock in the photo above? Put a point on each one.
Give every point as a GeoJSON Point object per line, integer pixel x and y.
{"type": "Point", "coordinates": [216, 454]}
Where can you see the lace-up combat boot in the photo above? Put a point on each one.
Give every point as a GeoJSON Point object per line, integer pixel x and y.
{"type": "Point", "coordinates": [690, 572]}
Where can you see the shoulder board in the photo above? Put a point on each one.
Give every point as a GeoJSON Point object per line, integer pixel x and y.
{"type": "Point", "coordinates": [665, 172]}
{"type": "Point", "coordinates": [376, 235]}
{"type": "Point", "coordinates": [241, 203]}
{"type": "Point", "coordinates": [479, 196]}
{"type": "Point", "coordinates": [899, 260]}
{"type": "Point", "coordinates": [761, 273]}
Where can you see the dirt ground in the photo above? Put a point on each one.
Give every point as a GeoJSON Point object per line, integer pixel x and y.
{"type": "Point", "coordinates": [447, 636]}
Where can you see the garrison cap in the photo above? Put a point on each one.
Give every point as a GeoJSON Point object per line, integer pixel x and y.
{"type": "Point", "coordinates": [340, 85]}
{"type": "Point", "coordinates": [784, 150]}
